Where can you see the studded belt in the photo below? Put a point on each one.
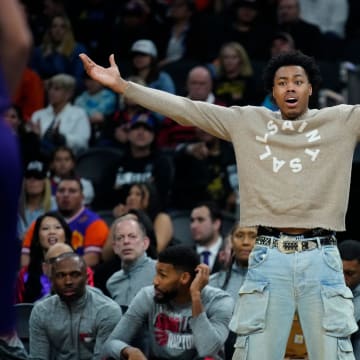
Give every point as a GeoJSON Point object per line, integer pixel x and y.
{"type": "Point", "coordinates": [289, 244]}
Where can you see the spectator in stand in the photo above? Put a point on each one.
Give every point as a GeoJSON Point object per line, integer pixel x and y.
{"type": "Point", "coordinates": [92, 24]}
{"type": "Point", "coordinates": [111, 262]}
{"type": "Point", "coordinates": [130, 243]}
{"type": "Point", "coordinates": [99, 103]}
{"type": "Point", "coordinates": [115, 132]}
{"type": "Point", "coordinates": [307, 37]}
{"type": "Point", "coordinates": [143, 196]}
{"type": "Point", "coordinates": [145, 65]}
{"type": "Point", "coordinates": [199, 86]}
{"type": "Point", "coordinates": [183, 36]}
{"type": "Point", "coordinates": [33, 282]}
{"type": "Point", "coordinates": [30, 93]}
{"type": "Point", "coordinates": [89, 231]}
{"type": "Point", "coordinates": [29, 142]}
{"type": "Point", "coordinates": [282, 42]}
{"type": "Point", "coordinates": [205, 170]}
{"type": "Point", "coordinates": [234, 83]}
{"type": "Point", "coordinates": [35, 198]}
{"type": "Point", "coordinates": [135, 20]}
{"type": "Point", "coordinates": [59, 52]}
{"type": "Point", "coordinates": [242, 242]}
{"type": "Point", "coordinates": [247, 28]}
{"type": "Point", "coordinates": [142, 217]}
{"type": "Point", "coordinates": [62, 123]}
{"type": "Point", "coordinates": [82, 317]}
{"type": "Point", "coordinates": [40, 14]}
{"type": "Point", "coordinates": [141, 162]}
{"type": "Point", "coordinates": [205, 227]}
{"type": "Point", "coordinates": [53, 252]}
{"type": "Point", "coordinates": [329, 15]}
{"type": "Point", "coordinates": [62, 165]}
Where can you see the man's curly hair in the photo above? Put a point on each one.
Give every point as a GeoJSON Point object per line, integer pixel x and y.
{"type": "Point", "coordinates": [293, 58]}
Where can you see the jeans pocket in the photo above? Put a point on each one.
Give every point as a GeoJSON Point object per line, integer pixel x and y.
{"type": "Point", "coordinates": [250, 308]}
{"type": "Point", "coordinates": [345, 350]}
{"type": "Point", "coordinates": [332, 258]}
{"type": "Point", "coordinates": [241, 348]}
{"type": "Point", "coordinates": [258, 255]}
{"type": "Point", "coordinates": [338, 320]}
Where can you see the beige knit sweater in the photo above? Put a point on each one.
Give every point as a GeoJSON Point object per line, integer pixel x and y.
{"type": "Point", "coordinates": [291, 173]}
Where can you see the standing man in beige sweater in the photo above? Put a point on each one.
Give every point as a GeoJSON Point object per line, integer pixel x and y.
{"type": "Point", "coordinates": [294, 169]}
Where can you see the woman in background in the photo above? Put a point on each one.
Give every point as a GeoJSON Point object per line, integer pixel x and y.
{"type": "Point", "coordinates": [35, 198]}
{"type": "Point", "coordinates": [32, 282]}
{"type": "Point", "coordinates": [58, 52]}
{"type": "Point", "coordinates": [143, 196]}
{"type": "Point", "coordinates": [234, 84]}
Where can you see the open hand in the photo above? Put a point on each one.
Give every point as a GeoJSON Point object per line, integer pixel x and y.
{"type": "Point", "coordinates": [109, 77]}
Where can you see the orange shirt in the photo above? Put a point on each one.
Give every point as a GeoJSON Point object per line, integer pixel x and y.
{"type": "Point", "coordinates": [89, 233]}
{"type": "Point", "coordinates": [30, 94]}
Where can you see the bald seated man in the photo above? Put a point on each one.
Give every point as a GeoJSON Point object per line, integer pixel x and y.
{"type": "Point", "coordinates": [55, 251]}
{"type": "Point", "coordinates": [199, 84]}
{"type": "Point", "coordinates": [75, 322]}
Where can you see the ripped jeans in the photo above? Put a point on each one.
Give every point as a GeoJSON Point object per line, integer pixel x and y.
{"type": "Point", "coordinates": [277, 284]}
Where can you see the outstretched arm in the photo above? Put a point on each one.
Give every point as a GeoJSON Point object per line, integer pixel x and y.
{"type": "Point", "coordinates": [209, 117]}
{"type": "Point", "coordinates": [109, 77]}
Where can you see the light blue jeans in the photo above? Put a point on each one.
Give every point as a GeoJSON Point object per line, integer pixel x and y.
{"type": "Point", "coordinates": [277, 284]}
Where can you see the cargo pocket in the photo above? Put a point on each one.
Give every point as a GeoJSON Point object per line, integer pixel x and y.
{"type": "Point", "coordinates": [345, 350]}
{"type": "Point", "coordinates": [241, 348]}
{"type": "Point", "coordinates": [250, 309]}
{"type": "Point", "coordinates": [338, 320]}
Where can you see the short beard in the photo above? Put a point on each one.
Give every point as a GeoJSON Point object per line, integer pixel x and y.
{"type": "Point", "coordinates": [167, 297]}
